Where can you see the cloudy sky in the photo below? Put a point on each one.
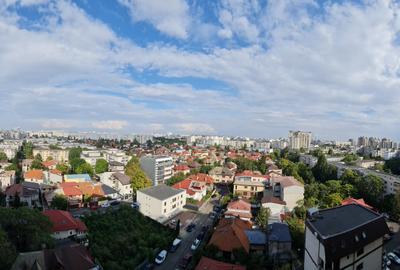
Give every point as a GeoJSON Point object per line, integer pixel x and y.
{"type": "Point", "coordinates": [229, 67]}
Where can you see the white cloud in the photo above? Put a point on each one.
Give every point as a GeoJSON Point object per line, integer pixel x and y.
{"type": "Point", "coordinates": [194, 128]}
{"type": "Point", "coordinates": [110, 124]}
{"type": "Point", "coordinates": [169, 17]}
{"type": "Point", "coordinates": [56, 124]}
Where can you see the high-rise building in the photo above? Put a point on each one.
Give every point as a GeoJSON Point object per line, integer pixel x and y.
{"type": "Point", "coordinates": [299, 139]}
{"type": "Point", "coordinates": [157, 168]}
{"type": "Point", "coordinates": [344, 237]}
{"type": "Point", "coordinates": [362, 141]}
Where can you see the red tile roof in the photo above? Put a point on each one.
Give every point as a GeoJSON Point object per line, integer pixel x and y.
{"type": "Point", "coordinates": [71, 189]}
{"type": "Point", "coordinates": [63, 221]}
{"type": "Point", "coordinates": [34, 174]}
{"type": "Point", "coordinates": [351, 200]}
{"type": "Point", "coordinates": [181, 167]}
{"type": "Point", "coordinates": [184, 184]}
{"type": "Point", "coordinates": [239, 205]}
{"type": "Point", "coordinates": [49, 163]}
{"type": "Point", "coordinates": [210, 264]}
{"type": "Point", "coordinates": [202, 177]}
{"type": "Point", "coordinates": [230, 235]}
{"type": "Point", "coordinates": [55, 171]}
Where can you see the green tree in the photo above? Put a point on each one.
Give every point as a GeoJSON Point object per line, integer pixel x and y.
{"type": "Point", "coordinates": [371, 188]}
{"type": "Point", "coordinates": [59, 202]}
{"type": "Point", "coordinates": [296, 228]}
{"type": "Point", "coordinates": [305, 173]}
{"type": "Point", "coordinates": [85, 168]}
{"type": "Point", "coordinates": [206, 168]}
{"type": "Point", "coordinates": [262, 217]}
{"type": "Point", "coordinates": [75, 163]}
{"type": "Point", "coordinates": [27, 149]}
{"type": "Point", "coordinates": [74, 153]}
{"type": "Point", "coordinates": [393, 165]}
{"type": "Point", "coordinates": [139, 179]}
{"type": "Point", "coordinates": [350, 177]}
{"type": "Point", "coordinates": [28, 229]}
{"type": "Point", "coordinates": [8, 252]}
{"type": "Point", "coordinates": [101, 166]}
{"type": "Point", "coordinates": [62, 167]}
{"type": "Point", "coordinates": [176, 178]}
{"type": "Point", "coordinates": [350, 159]}
{"type": "Point", "coordinates": [3, 156]}
{"type": "Point", "coordinates": [37, 162]}
{"type": "Point", "coordinates": [322, 171]}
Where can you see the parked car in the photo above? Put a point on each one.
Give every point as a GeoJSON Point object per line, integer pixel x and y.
{"type": "Point", "coordinates": [161, 257]}
{"type": "Point", "coordinates": [190, 227]}
{"type": "Point", "coordinates": [394, 258]}
{"type": "Point", "coordinates": [175, 245]}
{"type": "Point", "coordinates": [105, 204]}
{"type": "Point", "coordinates": [135, 205]}
{"type": "Point", "coordinates": [195, 244]}
{"type": "Point", "coordinates": [184, 262]}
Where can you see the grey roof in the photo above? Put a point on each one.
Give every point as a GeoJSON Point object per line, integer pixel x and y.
{"type": "Point", "coordinates": [123, 178]}
{"type": "Point", "coordinates": [256, 237]}
{"type": "Point", "coordinates": [161, 192]}
{"type": "Point", "coordinates": [108, 190]}
{"type": "Point", "coordinates": [279, 232]}
{"type": "Point", "coordinates": [115, 163]}
{"type": "Point", "coordinates": [329, 222]}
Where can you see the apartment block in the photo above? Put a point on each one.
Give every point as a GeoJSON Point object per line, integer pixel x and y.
{"type": "Point", "coordinates": [158, 168]}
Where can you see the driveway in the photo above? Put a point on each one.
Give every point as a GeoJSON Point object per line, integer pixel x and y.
{"type": "Point", "coordinates": [200, 219]}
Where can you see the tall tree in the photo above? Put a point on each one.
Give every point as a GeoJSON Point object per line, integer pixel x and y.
{"type": "Point", "coordinates": [371, 188]}
{"type": "Point", "coordinates": [8, 252]}
{"type": "Point", "coordinates": [101, 166]}
{"type": "Point", "coordinates": [74, 153]}
{"type": "Point", "coordinates": [393, 165]}
{"type": "Point", "coordinates": [139, 179]}
{"type": "Point", "coordinates": [28, 149]}
{"type": "Point", "coordinates": [85, 168]}
{"type": "Point", "coordinates": [59, 202]}
{"type": "Point", "coordinates": [322, 171]}
{"type": "Point", "coordinates": [62, 167]}
{"type": "Point", "coordinates": [262, 217]}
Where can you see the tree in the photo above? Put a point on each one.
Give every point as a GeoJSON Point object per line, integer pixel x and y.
{"type": "Point", "coordinates": [101, 166]}
{"type": "Point", "coordinates": [74, 153]}
{"type": "Point", "coordinates": [371, 188]}
{"type": "Point", "coordinates": [59, 202]}
{"type": "Point", "coordinates": [85, 168]}
{"type": "Point", "coordinates": [350, 177]}
{"type": "Point", "coordinates": [305, 173]}
{"type": "Point", "coordinates": [350, 159]}
{"type": "Point", "coordinates": [206, 168]}
{"type": "Point", "coordinates": [17, 201]}
{"type": "Point", "coordinates": [62, 167]}
{"type": "Point", "coordinates": [37, 162]}
{"type": "Point", "coordinates": [322, 171]}
{"type": "Point", "coordinates": [393, 165]}
{"type": "Point", "coordinates": [49, 158]}
{"type": "Point", "coordinates": [262, 217]}
{"type": "Point", "coordinates": [391, 205]}
{"type": "Point", "coordinates": [75, 163]}
{"type": "Point", "coordinates": [3, 156]}
{"type": "Point", "coordinates": [176, 178]}
{"type": "Point", "coordinates": [139, 179]}
{"type": "Point", "coordinates": [27, 149]}
{"type": "Point", "coordinates": [8, 252]}
{"type": "Point", "coordinates": [296, 228]}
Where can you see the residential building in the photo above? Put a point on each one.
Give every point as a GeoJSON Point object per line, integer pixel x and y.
{"type": "Point", "coordinates": [275, 204]}
{"type": "Point", "coordinates": [10, 148]}
{"type": "Point", "coordinates": [239, 209]}
{"type": "Point", "coordinates": [91, 156]}
{"type": "Point", "coordinates": [279, 242]}
{"type": "Point", "coordinates": [60, 155]}
{"type": "Point", "coordinates": [7, 178]}
{"type": "Point", "coordinates": [249, 184]}
{"type": "Point", "coordinates": [157, 168]}
{"type": "Point", "coordinates": [205, 178]}
{"type": "Point", "coordinates": [181, 168]}
{"type": "Point", "coordinates": [49, 164]}
{"type": "Point", "coordinates": [344, 237]}
{"type": "Point", "coordinates": [118, 181]}
{"type": "Point", "coordinates": [64, 225]}
{"type": "Point", "coordinates": [116, 155]}
{"type": "Point", "coordinates": [361, 202]}
{"type": "Point", "coordinates": [230, 235]}
{"type": "Point", "coordinates": [54, 176]}
{"type": "Point", "coordinates": [287, 189]}
{"type": "Point", "coordinates": [160, 202]}
{"type": "Point", "coordinates": [26, 165]}
{"type": "Point", "coordinates": [115, 166]}
{"type": "Point", "coordinates": [221, 175]}
{"type": "Point", "coordinates": [257, 241]}
{"type": "Point", "coordinates": [210, 264]}
{"type": "Point", "coordinates": [309, 160]}
{"type": "Point", "coordinates": [28, 193]}
{"type": "Point", "coordinates": [194, 189]}
{"type": "Point", "coordinates": [35, 176]}
{"type": "Point", "coordinates": [299, 139]}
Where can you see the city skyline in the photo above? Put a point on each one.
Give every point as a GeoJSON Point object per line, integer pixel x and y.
{"type": "Point", "coordinates": [240, 68]}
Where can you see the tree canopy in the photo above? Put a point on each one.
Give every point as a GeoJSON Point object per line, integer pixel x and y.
{"type": "Point", "coordinates": [323, 171]}
{"type": "Point", "coordinates": [139, 179]}
{"type": "Point", "coordinates": [28, 149]}
{"type": "Point", "coordinates": [101, 166]}
{"type": "Point", "coordinates": [8, 252]}
{"type": "Point", "coordinates": [176, 178]}
{"type": "Point", "coordinates": [84, 168]}
{"type": "Point", "coordinates": [59, 202]}
{"type": "Point", "coordinates": [393, 165]}
{"type": "Point", "coordinates": [262, 217]}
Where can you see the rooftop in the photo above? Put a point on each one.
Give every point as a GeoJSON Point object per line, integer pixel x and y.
{"type": "Point", "coordinates": [161, 192]}
{"type": "Point", "coordinates": [210, 264]}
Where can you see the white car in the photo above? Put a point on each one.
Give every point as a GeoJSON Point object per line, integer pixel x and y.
{"type": "Point", "coordinates": [161, 257]}
{"type": "Point", "coordinates": [195, 244]}
{"type": "Point", "coordinates": [393, 257]}
{"type": "Point", "coordinates": [106, 204]}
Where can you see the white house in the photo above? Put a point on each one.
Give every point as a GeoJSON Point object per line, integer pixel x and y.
{"type": "Point", "coordinates": [288, 189]}
{"type": "Point", "coordinates": [118, 181]}
{"type": "Point", "coordinates": [7, 178]}
{"type": "Point", "coordinates": [64, 225]}
{"type": "Point", "coordinates": [160, 202]}
{"type": "Point", "coordinates": [346, 237]}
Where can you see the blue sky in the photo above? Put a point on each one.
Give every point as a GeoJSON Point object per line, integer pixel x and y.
{"type": "Point", "coordinates": [228, 67]}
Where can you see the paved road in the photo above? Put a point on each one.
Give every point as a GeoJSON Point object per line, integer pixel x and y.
{"type": "Point", "coordinates": [200, 220]}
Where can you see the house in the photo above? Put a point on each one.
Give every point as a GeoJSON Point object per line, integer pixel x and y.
{"type": "Point", "coordinates": [249, 184]}
{"type": "Point", "coordinates": [115, 166]}
{"type": "Point", "coordinates": [26, 165]}
{"type": "Point", "coordinates": [345, 237]}
{"type": "Point", "coordinates": [288, 189]}
{"type": "Point", "coordinates": [210, 264]}
{"type": "Point", "coordinates": [272, 168]}
{"type": "Point", "coordinates": [279, 242]}
{"type": "Point", "coordinates": [181, 168]}
{"type": "Point", "coordinates": [229, 235]}
{"type": "Point", "coordinates": [64, 225]}
{"type": "Point", "coordinates": [221, 175]}
{"type": "Point", "coordinates": [194, 189]}
{"type": "Point", "coordinates": [77, 178]}
{"type": "Point", "coordinates": [71, 257]}
{"type": "Point", "coordinates": [49, 164]}
{"type": "Point", "coordinates": [72, 192]}
{"type": "Point", "coordinates": [28, 193]}
{"type": "Point", "coordinates": [118, 181]}
{"type": "Point", "coordinates": [160, 202]}
{"type": "Point", "coordinates": [257, 241]}
{"type": "Point", "coordinates": [54, 176]}
{"type": "Point", "coordinates": [202, 177]}
{"type": "Point", "coordinates": [275, 204]}
{"type": "Point", "coordinates": [7, 178]}
{"type": "Point", "coordinates": [35, 176]}
{"type": "Point", "coordinates": [239, 209]}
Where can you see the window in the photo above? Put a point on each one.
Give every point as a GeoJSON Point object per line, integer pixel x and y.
{"type": "Point", "coordinates": [165, 210]}
{"type": "Point", "coordinates": [360, 266]}
{"type": "Point", "coordinates": [165, 203]}
{"type": "Point", "coordinates": [360, 251]}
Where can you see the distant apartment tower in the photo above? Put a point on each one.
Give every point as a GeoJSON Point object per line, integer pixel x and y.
{"type": "Point", "coordinates": [299, 139]}
{"type": "Point", "coordinates": [345, 237]}
{"type": "Point", "coordinates": [157, 168]}
{"type": "Point", "coordinates": [362, 141]}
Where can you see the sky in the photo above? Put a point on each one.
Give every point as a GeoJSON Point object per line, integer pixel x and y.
{"type": "Point", "coordinates": [219, 67]}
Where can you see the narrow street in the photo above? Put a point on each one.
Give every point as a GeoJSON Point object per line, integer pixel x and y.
{"type": "Point", "coordinates": [201, 219]}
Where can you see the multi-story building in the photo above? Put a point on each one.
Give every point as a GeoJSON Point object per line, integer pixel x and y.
{"type": "Point", "coordinates": [346, 237]}
{"type": "Point", "coordinates": [7, 178]}
{"type": "Point", "coordinates": [118, 181]}
{"type": "Point", "coordinates": [309, 160]}
{"type": "Point", "coordinates": [249, 184]}
{"type": "Point", "coordinates": [299, 139]}
{"type": "Point", "coordinates": [10, 148]}
{"type": "Point", "coordinates": [91, 156]}
{"type": "Point", "coordinates": [59, 155]}
{"type": "Point", "coordinates": [157, 168]}
{"type": "Point", "coordinates": [287, 189]}
{"type": "Point", "coordinates": [160, 202]}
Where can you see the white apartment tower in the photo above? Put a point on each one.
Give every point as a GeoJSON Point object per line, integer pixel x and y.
{"type": "Point", "coordinates": [299, 139]}
{"type": "Point", "coordinates": [157, 168]}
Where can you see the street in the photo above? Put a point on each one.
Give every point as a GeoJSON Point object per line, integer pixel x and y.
{"type": "Point", "coordinates": [200, 219]}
